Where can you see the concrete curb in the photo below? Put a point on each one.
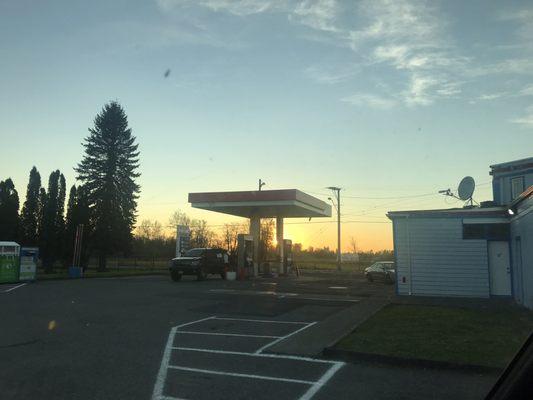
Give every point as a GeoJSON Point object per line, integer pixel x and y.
{"type": "Point", "coordinates": [355, 357]}
{"type": "Point", "coordinates": [326, 333]}
{"type": "Point", "coordinates": [118, 275]}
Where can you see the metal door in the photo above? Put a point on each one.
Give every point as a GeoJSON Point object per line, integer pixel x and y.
{"type": "Point", "coordinates": [499, 268]}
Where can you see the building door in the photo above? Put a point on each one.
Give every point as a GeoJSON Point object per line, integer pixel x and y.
{"type": "Point", "coordinates": [499, 268]}
{"type": "Point", "coordinates": [517, 270]}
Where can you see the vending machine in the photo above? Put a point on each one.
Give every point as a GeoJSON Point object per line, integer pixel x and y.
{"type": "Point", "coordinates": [9, 262]}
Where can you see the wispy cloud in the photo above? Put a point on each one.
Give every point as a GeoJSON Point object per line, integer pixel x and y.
{"type": "Point", "coordinates": [331, 74]}
{"type": "Point", "coordinates": [235, 7]}
{"type": "Point", "coordinates": [317, 14]}
{"type": "Point", "coordinates": [527, 119]}
{"type": "Point", "coordinates": [370, 100]}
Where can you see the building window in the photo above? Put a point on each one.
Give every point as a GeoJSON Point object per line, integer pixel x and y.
{"type": "Point", "coordinates": [486, 231]}
{"type": "Point", "coordinates": [517, 187]}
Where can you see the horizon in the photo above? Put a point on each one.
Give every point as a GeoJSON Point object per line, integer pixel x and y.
{"type": "Point", "coordinates": [389, 101]}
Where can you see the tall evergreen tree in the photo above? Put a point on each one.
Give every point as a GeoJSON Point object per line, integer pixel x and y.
{"type": "Point", "coordinates": [71, 224]}
{"type": "Point", "coordinates": [30, 211]}
{"type": "Point", "coordinates": [77, 214]}
{"type": "Point", "coordinates": [51, 230]}
{"type": "Point", "coordinates": [108, 171]}
{"type": "Point", "coordinates": [9, 211]}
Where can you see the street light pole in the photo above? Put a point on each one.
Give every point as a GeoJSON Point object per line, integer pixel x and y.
{"type": "Point", "coordinates": [337, 192]}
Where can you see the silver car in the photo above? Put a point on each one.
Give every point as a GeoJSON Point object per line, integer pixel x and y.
{"type": "Point", "coordinates": [384, 271]}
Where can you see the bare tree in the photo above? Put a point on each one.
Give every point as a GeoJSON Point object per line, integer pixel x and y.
{"type": "Point", "coordinates": [353, 245]}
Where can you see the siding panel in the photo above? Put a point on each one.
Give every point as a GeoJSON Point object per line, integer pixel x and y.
{"type": "Point", "coordinates": [442, 263]}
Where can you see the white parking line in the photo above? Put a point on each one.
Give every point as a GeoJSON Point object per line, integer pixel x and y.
{"type": "Point", "coordinates": [14, 287]}
{"type": "Point", "coordinates": [163, 369]}
{"type": "Point", "coordinates": [165, 363]}
{"type": "Point", "coordinates": [322, 381]}
{"type": "Point", "coordinates": [264, 377]}
{"type": "Point", "coordinates": [242, 353]}
{"type": "Point", "coordinates": [259, 320]}
{"type": "Point", "coordinates": [230, 334]}
{"type": "Point", "coordinates": [279, 339]}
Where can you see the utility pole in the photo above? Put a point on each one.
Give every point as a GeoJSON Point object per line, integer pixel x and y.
{"type": "Point", "coordinates": [337, 192]}
{"type": "Point", "coordinates": [261, 184]}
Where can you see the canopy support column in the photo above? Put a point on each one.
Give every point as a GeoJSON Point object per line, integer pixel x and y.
{"type": "Point", "coordinates": [255, 231]}
{"type": "Point", "coordinates": [280, 247]}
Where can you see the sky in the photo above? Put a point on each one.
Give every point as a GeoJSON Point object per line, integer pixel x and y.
{"type": "Point", "coordinates": [390, 100]}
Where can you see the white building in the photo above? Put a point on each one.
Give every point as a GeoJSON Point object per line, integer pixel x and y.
{"type": "Point", "coordinates": [474, 251]}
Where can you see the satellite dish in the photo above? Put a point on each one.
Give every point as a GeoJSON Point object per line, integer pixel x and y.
{"type": "Point", "coordinates": [466, 188]}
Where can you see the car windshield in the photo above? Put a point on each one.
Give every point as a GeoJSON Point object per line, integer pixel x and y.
{"type": "Point", "coordinates": [194, 253]}
{"type": "Point", "coordinates": [264, 199]}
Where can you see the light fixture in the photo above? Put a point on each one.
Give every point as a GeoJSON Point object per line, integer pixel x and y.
{"type": "Point", "coordinates": [510, 211]}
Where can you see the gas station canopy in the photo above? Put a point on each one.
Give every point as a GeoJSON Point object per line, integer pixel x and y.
{"type": "Point", "coordinates": [287, 203]}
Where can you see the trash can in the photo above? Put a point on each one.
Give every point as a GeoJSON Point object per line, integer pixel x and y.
{"type": "Point", "coordinates": [9, 262]}
{"type": "Point", "coordinates": [28, 263]}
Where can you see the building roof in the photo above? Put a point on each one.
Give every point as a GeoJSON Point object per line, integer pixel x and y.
{"type": "Point", "coordinates": [523, 163]}
{"type": "Point", "coordinates": [525, 195]}
{"type": "Point", "coordinates": [4, 243]}
{"type": "Point", "coordinates": [287, 203]}
{"type": "Point", "coordinates": [452, 212]}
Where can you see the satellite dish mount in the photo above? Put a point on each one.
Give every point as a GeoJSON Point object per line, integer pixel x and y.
{"type": "Point", "coordinates": [464, 191]}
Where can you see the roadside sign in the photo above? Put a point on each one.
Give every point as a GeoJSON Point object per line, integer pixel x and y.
{"type": "Point", "coordinates": [28, 263]}
{"type": "Point", "coordinates": [183, 239]}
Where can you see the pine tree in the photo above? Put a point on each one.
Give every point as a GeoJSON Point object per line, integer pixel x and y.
{"type": "Point", "coordinates": [71, 224]}
{"type": "Point", "coordinates": [30, 211]}
{"type": "Point", "coordinates": [9, 211]}
{"type": "Point", "coordinates": [51, 229]}
{"type": "Point", "coordinates": [108, 171]}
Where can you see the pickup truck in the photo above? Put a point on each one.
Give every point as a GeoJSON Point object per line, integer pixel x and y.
{"type": "Point", "coordinates": [200, 262]}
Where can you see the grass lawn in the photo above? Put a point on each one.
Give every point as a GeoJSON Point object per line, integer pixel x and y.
{"type": "Point", "coordinates": [488, 337]}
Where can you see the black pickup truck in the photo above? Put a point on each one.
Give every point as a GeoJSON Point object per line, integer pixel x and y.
{"type": "Point", "coordinates": [200, 262]}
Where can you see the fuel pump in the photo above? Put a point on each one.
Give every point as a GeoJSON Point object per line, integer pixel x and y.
{"type": "Point", "coordinates": [245, 255]}
{"type": "Point", "coordinates": [287, 256]}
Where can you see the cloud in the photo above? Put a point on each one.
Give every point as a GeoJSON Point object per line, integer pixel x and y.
{"type": "Point", "coordinates": [526, 119]}
{"type": "Point", "coordinates": [235, 7]}
{"type": "Point", "coordinates": [370, 100]}
{"type": "Point", "coordinates": [329, 74]}
{"type": "Point", "coordinates": [317, 14]}
{"type": "Point", "coordinates": [527, 91]}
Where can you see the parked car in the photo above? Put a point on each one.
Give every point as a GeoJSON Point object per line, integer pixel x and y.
{"type": "Point", "coordinates": [200, 262]}
{"type": "Point", "coordinates": [381, 271]}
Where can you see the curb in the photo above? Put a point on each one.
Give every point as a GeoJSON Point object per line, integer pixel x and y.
{"type": "Point", "coordinates": [355, 357]}
{"type": "Point", "coordinates": [118, 275]}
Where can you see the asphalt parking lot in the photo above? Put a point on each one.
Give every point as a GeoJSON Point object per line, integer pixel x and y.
{"type": "Point", "coordinates": [151, 338]}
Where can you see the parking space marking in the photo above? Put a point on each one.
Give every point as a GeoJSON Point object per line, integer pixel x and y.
{"type": "Point", "coordinates": [242, 353]}
{"type": "Point", "coordinates": [163, 369]}
{"type": "Point", "coordinates": [315, 386]}
{"type": "Point", "coordinates": [322, 381]}
{"type": "Point", "coordinates": [263, 377]}
{"type": "Point", "coordinates": [14, 287]}
{"type": "Point", "coordinates": [279, 339]}
{"type": "Point", "coordinates": [230, 334]}
{"type": "Point", "coordinates": [260, 320]}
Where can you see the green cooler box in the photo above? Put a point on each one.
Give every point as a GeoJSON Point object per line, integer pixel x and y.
{"type": "Point", "coordinates": [9, 262]}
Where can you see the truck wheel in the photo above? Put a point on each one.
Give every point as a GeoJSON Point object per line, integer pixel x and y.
{"type": "Point", "coordinates": [201, 275]}
{"type": "Point", "coordinates": [175, 275]}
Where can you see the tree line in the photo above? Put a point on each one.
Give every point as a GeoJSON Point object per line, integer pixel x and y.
{"type": "Point", "coordinates": [104, 201]}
